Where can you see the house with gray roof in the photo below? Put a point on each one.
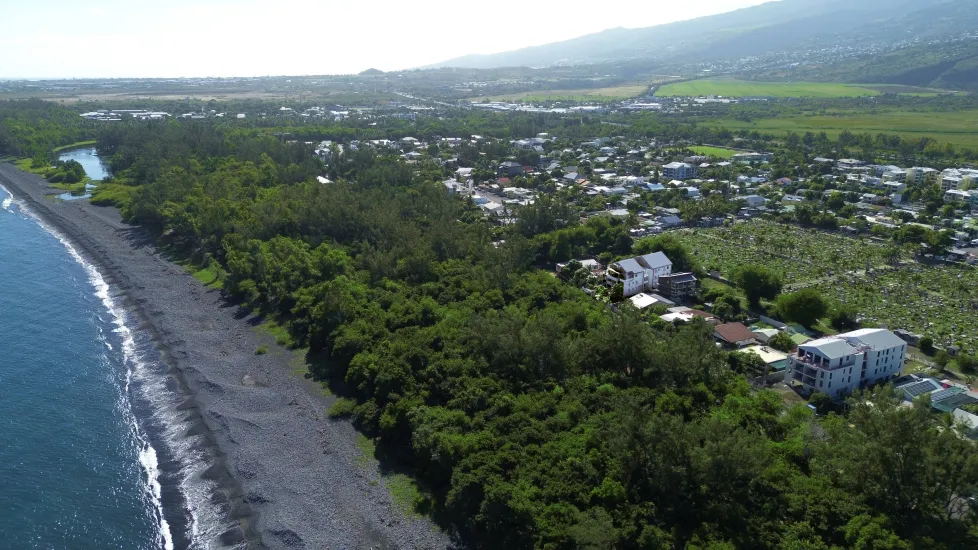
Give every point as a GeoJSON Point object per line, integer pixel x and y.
{"type": "Point", "coordinates": [639, 274]}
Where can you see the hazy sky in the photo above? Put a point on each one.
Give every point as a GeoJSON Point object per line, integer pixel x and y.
{"type": "Point", "coordinates": [174, 38]}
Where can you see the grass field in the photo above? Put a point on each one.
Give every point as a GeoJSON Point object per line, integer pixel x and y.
{"type": "Point", "coordinates": [708, 151]}
{"type": "Point", "coordinates": [590, 94]}
{"type": "Point", "coordinates": [74, 145]}
{"type": "Point", "coordinates": [743, 88]}
{"type": "Point", "coordinates": [953, 127]}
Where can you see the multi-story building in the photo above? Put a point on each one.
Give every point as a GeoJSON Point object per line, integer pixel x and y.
{"type": "Point", "coordinates": [679, 171]}
{"type": "Point", "coordinates": [968, 197]}
{"type": "Point", "coordinates": [837, 365]}
{"type": "Point", "coordinates": [953, 178]}
{"type": "Point", "coordinates": [751, 157]}
{"type": "Point", "coordinates": [638, 274]}
{"type": "Point", "coordinates": [677, 286]}
{"type": "Point", "coordinates": [918, 175]}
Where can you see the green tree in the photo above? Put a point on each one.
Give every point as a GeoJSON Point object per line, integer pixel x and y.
{"type": "Point", "coordinates": [843, 317]}
{"type": "Point", "coordinates": [618, 293]}
{"type": "Point", "coordinates": [757, 282]}
{"type": "Point", "coordinates": [805, 306]}
{"type": "Point", "coordinates": [926, 345]}
{"type": "Point", "coordinates": [821, 401]}
{"type": "Point", "coordinates": [782, 342]}
{"type": "Point", "coordinates": [678, 254]}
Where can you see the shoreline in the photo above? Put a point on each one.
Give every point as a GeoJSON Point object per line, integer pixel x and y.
{"type": "Point", "coordinates": [284, 475]}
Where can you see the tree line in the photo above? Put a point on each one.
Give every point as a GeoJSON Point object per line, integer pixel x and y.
{"type": "Point", "coordinates": [530, 414]}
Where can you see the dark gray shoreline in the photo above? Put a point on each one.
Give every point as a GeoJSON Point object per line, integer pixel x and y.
{"type": "Point", "coordinates": [287, 476]}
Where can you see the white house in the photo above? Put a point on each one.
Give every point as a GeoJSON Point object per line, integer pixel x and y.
{"type": "Point", "coordinates": [837, 365]}
{"type": "Point", "coordinates": [679, 171]}
{"type": "Point", "coordinates": [640, 273]}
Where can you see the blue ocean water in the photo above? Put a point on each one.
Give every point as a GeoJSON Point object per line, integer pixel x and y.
{"type": "Point", "coordinates": [76, 469]}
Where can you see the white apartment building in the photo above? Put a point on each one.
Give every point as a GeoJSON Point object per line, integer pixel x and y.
{"type": "Point", "coordinates": [953, 178]}
{"type": "Point", "coordinates": [837, 365]}
{"type": "Point", "coordinates": [919, 175]}
{"type": "Point", "coordinates": [968, 197]}
{"type": "Point", "coordinates": [639, 274]}
{"type": "Point", "coordinates": [679, 171]}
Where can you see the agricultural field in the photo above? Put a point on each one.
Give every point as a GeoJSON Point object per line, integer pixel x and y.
{"type": "Point", "coordinates": [956, 127]}
{"type": "Point", "coordinates": [802, 256]}
{"type": "Point", "coordinates": [590, 94]}
{"type": "Point", "coordinates": [744, 88]}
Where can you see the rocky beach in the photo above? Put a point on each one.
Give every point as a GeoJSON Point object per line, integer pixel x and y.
{"type": "Point", "coordinates": [285, 475]}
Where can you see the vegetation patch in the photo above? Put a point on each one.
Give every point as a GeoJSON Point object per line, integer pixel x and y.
{"type": "Point", "coordinates": [75, 145]}
{"type": "Point", "coordinates": [112, 194]}
{"type": "Point", "coordinates": [405, 493]}
{"type": "Point", "coordinates": [956, 127]}
{"type": "Point", "coordinates": [587, 94]}
{"type": "Point", "coordinates": [746, 88]}
{"type": "Point", "coordinates": [209, 276]}
{"type": "Point", "coordinates": [709, 151]}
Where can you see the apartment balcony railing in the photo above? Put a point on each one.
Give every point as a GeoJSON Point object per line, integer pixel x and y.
{"type": "Point", "coordinates": [823, 365]}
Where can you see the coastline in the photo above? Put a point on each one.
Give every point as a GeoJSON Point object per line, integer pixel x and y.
{"type": "Point", "coordinates": [282, 473]}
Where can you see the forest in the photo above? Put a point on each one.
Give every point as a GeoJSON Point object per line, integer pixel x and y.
{"type": "Point", "coordinates": [531, 415]}
{"type": "Point", "coordinates": [33, 128]}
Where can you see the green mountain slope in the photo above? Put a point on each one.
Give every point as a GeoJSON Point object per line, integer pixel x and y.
{"type": "Point", "coordinates": [949, 65]}
{"type": "Point", "coordinates": [760, 30]}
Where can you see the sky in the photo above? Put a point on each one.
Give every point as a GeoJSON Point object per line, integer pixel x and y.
{"type": "Point", "coordinates": [200, 38]}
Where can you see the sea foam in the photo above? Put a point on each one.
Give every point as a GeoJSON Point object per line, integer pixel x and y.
{"type": "Point", "coordinates": [147, 455]}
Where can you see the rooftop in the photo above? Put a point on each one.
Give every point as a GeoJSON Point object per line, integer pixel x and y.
{"type": "Point", "coordinates": [734, 332]}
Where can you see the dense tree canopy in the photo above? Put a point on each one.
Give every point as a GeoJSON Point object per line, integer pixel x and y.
{"type": "Point", "coordinates": [532, 415]}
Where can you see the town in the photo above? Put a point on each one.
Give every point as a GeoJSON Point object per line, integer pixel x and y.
{"type": "Point", "coordinates": [902, 240]}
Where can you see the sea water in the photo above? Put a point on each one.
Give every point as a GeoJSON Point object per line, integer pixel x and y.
{"type": "Point", "coordinates": [77, 468]}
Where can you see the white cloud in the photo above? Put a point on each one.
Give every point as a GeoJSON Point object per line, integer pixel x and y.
{"type": "Point", "coordinates": [117, 38]}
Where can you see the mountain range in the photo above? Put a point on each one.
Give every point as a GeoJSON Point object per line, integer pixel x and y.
{"type": "Point", "coordinates": [840, 29]}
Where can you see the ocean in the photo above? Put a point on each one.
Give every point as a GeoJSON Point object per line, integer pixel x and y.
{"type": "Point", "coordinates": [93, 444]}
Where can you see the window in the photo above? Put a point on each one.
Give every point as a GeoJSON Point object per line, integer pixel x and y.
{"type": "Point", "coordinates": [820, 383]}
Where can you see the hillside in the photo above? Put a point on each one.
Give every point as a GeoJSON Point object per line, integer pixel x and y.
{"type": "Point", "coordinates": [766, 29]}
{"type": "Point", "coordinates": [950, 66]}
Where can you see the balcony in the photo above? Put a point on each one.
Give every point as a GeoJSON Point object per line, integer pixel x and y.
{"type": "Point", "coordinates": [851, 362]}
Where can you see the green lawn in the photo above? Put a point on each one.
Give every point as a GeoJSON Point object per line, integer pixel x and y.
{"type": "Point", "coordinates": [708, 151]}
{"type": "Point", "coordinates": [75, 145]}
{"type": "Point", "coordinates": [743, 88]}
{"type": "Point", "coordinates": [953, 127]}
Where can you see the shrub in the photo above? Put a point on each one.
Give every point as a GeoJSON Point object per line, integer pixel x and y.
{"type": "Point", "coordinates": [343, 408]}
{"type": "Point", "coordinates": [843, 317]}
{"type": "Point", "coordinates": [926, 345]}
{"type": "Point", "coordinates": [781, 342]}
{"type": "Point", "coordinates": [262, 350]}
